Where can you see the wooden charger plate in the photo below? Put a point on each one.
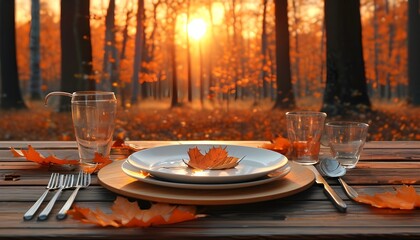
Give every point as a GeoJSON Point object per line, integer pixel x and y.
{"type": "Point", "coordinates": [114, 179]}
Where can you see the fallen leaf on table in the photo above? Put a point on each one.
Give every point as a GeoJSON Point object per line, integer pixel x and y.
{"type": "Point", "coordinates": [280, 144]}
{"type": "Point", "coordinates": [128, 214]}
{"type": "Point", "coordinates": [100, 161]}
{"type": "Point", "coordinates": [122, 146]}
{"type": "Point", "coordinates": [404, 197]}
{"type": "Point", "coordinates": [215, 158]}
{"type": "Point", "coordinates": [32, 155]}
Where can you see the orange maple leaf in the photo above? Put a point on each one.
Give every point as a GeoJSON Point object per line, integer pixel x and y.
{"type": "Point", "coordinates": [32, 155]}
{"type": "Point", "coordinates": [405, 197]}
{"type": "Point", "coordinates": [128, 214]}
{"type": "Point", "coordinates": [215, 158]}
{"type": "Point", "coordinates": [101, 161]}
{"type": "Point", "coordinates": [280, 144]}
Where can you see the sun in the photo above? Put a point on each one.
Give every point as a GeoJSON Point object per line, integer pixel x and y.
{"type": "Point", "coordinates": [197, 28]}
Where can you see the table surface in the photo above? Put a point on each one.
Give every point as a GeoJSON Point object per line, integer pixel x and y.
{"type": "Point", "coordinates": [308, 214]}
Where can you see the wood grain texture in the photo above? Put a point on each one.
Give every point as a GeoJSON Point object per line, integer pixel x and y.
{"type": "Point", "coordinates": [305, 215]}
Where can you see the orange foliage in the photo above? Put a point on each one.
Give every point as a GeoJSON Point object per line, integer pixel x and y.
{"type": "Point", "coordinates": [32, 155]}
{"type": "Point", "coordinates": [280, 144]}
{"type": "Point", "coordinates": [215, 158]}
{"type": "Point", "coordinates": [405, 198]}
{"type": "Point", "coordinates": [101, 161]}
{"type": "Point", "coordinates": [128, 214]}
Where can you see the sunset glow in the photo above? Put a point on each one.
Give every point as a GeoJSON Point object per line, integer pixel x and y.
{"type": "Point", "coordinates": [197, 28]}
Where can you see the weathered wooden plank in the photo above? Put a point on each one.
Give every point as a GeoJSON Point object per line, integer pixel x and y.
{"type": "Point", "coordinates": [306, 215]}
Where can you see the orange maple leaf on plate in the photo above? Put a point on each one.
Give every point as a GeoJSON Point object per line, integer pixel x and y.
{"type": "Point", "coordinates": [128, 214]}
{"type": "Point", "coordinates": [215, 158]}
{"type": "Point", "coordinates": [404, 197]}
{"type": "Point", "coordinates": [280, 144]}
{"type": "Point", "coordinates": [32, 155]}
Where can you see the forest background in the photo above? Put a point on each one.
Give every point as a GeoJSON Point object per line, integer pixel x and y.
{"type": "Point", "coordinates": [224, 57]}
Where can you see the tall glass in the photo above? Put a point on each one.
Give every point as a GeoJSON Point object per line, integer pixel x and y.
{"type": "Point", "coordinates": [346, 141]}
{"type": "Point", "coordinates": [304, 130]}
{"type": "Point", "coordinates": [93, 114]}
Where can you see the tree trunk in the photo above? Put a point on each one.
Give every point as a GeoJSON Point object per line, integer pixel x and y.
{"type": "Point", "coordinates": [76, 49]}
{"type": "Point", "coordinates": [298, 83]}
{"type": "Point", "coordinates": [376, 45]}
{"type": "Point", "coordinates": [391, 35]}
{"type": "Point", "coordinates": [174, 98]}
{"type": "Point", "coordinates": [215, 48]}
{"type": "Point", "coordinates": [146, 58]}
{"type": "Point", "coordinates": [124, 85]}
{"type": "Point", "coordinates": [110, 61]}
{"type": "Point", "coordinates": [346, 90]}
{"type": "Point", "coordinates": [138, 52]}
{"type": "Point", "coordinates": [151, 52]}
{"type": "Point", "coordinates": [414, 52]}
{"type": "Point", "coordinates": [200, 54]}
{"type": "Point", "coordinates": [264, 55]}
{"type": "Point", "coordinates": [84, 45]}
{"type": "Point", "coordinates": [284, 94]}
{"type": "Point", "coordinates": [235, 49]}
{"type": "Point", "coordinates": [189, 68]}
{"type": "Point", "coordinates": [34, 47]}
{"type": "Point", "coordinates": [10, 97]}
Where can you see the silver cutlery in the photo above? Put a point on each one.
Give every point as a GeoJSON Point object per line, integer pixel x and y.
{"type": "Point", "coordinates": [332, 168]}
{"type": "Point", "coordinates": [337, 201]}
{"type": "Point", "coordinates": [66, 181]}
{"type": "Point", "coordinates": [83, 181]}
{"type": "Point", "coordinates": [348, 189]}
{"type": "Point", "coordinates": [52, 184]}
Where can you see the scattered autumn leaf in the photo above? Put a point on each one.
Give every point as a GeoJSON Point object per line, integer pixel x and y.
{"type": "Point", "coordinates": [280, 144]}
{"type": "Point", "coordinates": [99, 161]}
{"type": "Point", "coordinates": [32, 155]}
{"type": "Point", "coordinates": [404, 197]}
{"type": "Point", "coordinates": [215, 158]}
{"type": "Point", "coordinates": [128, 214]}
{"type": "Point", "coordinates": [122, 147]}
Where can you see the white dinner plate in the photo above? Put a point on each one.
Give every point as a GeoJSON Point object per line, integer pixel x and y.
{"type": "Point", "coordinates": [166, 162]}
{"type": "Point", "coordinates": [134, 172]}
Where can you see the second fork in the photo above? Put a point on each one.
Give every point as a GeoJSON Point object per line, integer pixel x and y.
{"type": "Point", "coordinates": [83, 181]}
{"type": "Point", "coordinates": [65, 182]}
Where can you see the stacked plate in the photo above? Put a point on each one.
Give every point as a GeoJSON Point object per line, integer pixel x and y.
{"type": "Point", "coordinates": [165, 166]}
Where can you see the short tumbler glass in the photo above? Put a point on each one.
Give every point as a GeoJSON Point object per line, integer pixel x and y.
{"type": "Point", "coordinates": [304, 130]}
{"type": "Point", "coordinates": [346, 141]}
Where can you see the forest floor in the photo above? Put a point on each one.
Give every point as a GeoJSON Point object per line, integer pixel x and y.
{"type": "Point", "coordinates": [152, 120]}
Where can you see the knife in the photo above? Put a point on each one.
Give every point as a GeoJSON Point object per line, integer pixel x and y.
{"type": "Point", "coordinates": [337, 201]}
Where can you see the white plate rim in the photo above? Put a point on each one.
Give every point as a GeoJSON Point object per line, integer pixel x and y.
{"type": "Point", "coordinates": [133, 172]}
{"type": "Point", "coordinates": [143, 160]}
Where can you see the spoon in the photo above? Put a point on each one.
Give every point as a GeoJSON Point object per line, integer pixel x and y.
{"type": "Point", "coordinates": [332, 168]}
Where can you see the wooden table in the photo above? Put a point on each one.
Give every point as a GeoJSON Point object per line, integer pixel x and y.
{"type": "Point", "coordinates": [308, 214]}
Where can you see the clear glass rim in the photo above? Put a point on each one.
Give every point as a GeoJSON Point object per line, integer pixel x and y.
{"type": "Point", "coordinates": [306, 113]}
{"type": "Point", "coordinates": [92, 93]}
{"type": "Point", "coordinates": [340, 124]}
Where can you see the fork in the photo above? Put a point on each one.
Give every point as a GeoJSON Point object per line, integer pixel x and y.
{"type": "Point", "coordinates": [83, 181]}
{"type": "Point", "coordinates": [65, 182]}
{"type": "Point", "coordinates": [52, 184]}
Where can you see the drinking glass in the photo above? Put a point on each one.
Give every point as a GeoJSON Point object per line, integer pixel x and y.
{"type": "Point", "coordinates": [93, 114]}
{"type": "Point", "coordinates": [346, 141]}
{"type": "Point", "coordinates": [304, 130]}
